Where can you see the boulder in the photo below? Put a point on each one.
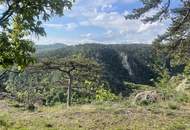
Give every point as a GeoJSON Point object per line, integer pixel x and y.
{"type": "Point", "coordinates": [147, 97]}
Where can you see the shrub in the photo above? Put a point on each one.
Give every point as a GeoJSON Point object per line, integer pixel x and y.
{"type": "Point", "coordinates": [105, 95]}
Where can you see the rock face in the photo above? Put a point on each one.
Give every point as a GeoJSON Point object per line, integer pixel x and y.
{"type": "Point", "coordinates": [126, 64]}
{"type": "Point", "coordinates": [147, 97]}
{"type": "Point", "coordinates": [184, 86]}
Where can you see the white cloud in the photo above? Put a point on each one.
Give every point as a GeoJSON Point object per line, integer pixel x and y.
{"type": "Point", "coordinates": [57, 26]}
{"type": "Point", "coordinates": [125, 13]}
{"type": "Point", "coordinates": [84, 23]}
{"type": "Point", "coordinates": [106, 7]}
{"type": "Point", "coordinates": [148, 26]}
{"type": "Point", "coordinates": [71, 26]}
{"type": "Point", "coordinates": [124, 30]}
{"type": "Point", "coordinates": [103, 15]}
{"type": "Point", "coordinates": [64, 40]}
{"type": "Point", "coordinates": [82, 7]}
{"type": "Point", "coordinates": [111, 20]}
{"type": "Point", "coordinates": [129, 1]}
{"type": "Point", "coordinates": [88, 35]}
{"type": "Point", "coordinates": [68, 26]}
{"type": "Point", "coordinates": [109, 33]}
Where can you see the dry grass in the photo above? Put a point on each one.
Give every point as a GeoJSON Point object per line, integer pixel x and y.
{"type": "Point", "coordinates": [108, 116]}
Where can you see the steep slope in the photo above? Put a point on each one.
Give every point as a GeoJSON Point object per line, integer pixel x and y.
{"type": "Point", "coordinates": [121, 62]}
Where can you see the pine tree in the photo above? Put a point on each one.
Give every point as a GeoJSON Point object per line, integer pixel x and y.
{"type": "Point", "coordinates": [177, 35]}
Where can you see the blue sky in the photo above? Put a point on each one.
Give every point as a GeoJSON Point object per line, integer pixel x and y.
{"type": "Point", "coordinates": [100, 21]}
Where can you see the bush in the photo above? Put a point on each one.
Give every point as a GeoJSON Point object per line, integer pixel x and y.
{"type": "Point", "coordinates": [82, 97]}
{"type": "Point", "coordinates": [55, 96]}
{"type": "Point", "coordinates": [105, 95]}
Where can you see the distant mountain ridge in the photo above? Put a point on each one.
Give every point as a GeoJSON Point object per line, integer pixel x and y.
{"type": "Point", "coordinates": [49, 47]}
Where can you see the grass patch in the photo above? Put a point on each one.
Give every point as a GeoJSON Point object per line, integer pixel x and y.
{"type": "Point", "coordinates": [173, 105]}
{"type": "Point", "coordinates": [108, 115]}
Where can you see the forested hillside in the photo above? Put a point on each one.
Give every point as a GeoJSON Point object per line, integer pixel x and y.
{"type": "Point", "coordinates": [127, 62]}
{"type": "Point", "coordinates": [51, 47]}
{"type": "Point", "coordinates": [121, 63]}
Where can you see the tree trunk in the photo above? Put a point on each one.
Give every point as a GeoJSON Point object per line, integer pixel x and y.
{"type": "Point", "coordinates": [69, 91]}
{"type": "Point", "coordinates": [168, 64]}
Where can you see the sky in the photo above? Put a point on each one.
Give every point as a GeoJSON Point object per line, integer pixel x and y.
{"type": "Point", "coordinates": [100, 21]}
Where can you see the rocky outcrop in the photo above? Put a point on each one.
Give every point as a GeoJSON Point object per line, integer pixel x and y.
{"type": "Point", "coordinates": [126, 64]}
{"type": "Point", "coordinates": [147, 97]}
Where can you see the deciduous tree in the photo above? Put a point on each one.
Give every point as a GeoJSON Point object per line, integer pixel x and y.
{"type": "Point", "coordinates": [18, 20]}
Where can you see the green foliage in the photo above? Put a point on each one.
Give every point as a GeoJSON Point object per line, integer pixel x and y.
{"type": "Point", "coordinates": [170, 94]}
{"type": "Point", "coordinates": [15, 51]}
{"type": "Point", "coordinates": [103, 94]}
{"type": "Point", "coordinates": [18, 20]}
{"type": "Point", "coordinates": [162, 81]}
{"type": "Point", "coordinates": [82, 96]}
{"type": "Point", "coordinates": [55, 96]}
{"type": "Point", "coordinates": [120, 63]}
{"type": "Point", "coordinates": [30, 88]}
{"type": "Point", "coordinates": [25, 91]}
{"type": "Point", "coordinates": [47, 81]}
{"type": "Point", "coordinates": [187, 69]}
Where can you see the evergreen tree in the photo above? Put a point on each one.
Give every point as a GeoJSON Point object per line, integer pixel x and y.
{"type": "Point", "coordinates": [177, 35]}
